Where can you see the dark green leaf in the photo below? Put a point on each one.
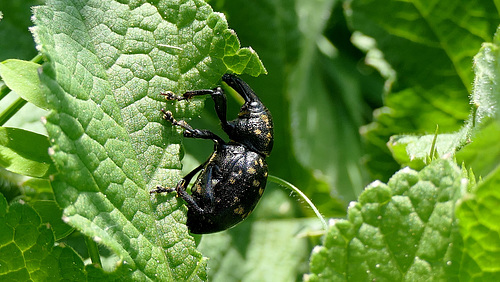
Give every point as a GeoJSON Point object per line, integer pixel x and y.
{"type": "Point", "coordinates": [15, 38]}
{"type": "Point", "coordinates": [27, 249]}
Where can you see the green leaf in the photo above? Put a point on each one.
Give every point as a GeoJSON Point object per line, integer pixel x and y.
{"type": "Point", "coordinates": [431, 50]}
{"type": "Point", "coordinates": [483, 153]}
{"type": "Point", "coordinates": [27, 249]}
{"type": "Point", "coordinates": [243, 60]}
{"type": "Point", "coordinates": [480, 228]}
{"type": "Point", "coordinates": [273, 251]}
{"type": "Point", "coordinates": [25, 152]}
{"type": "Point", "coordinates": [51, 214]}
{"type": "Point", "coordinates": [414, 151]}
{"type": "Point", "coordinates": [22, 77]}
{"type": "Point", "coordinates": [107, 63]}
{"type": "Point", "coordinates": [403, 231]}
{"type": "Point", "coordinates": [484, 99]}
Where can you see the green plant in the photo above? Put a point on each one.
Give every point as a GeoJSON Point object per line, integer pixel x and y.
{"type": "Point", "coordinates": [76, 189]}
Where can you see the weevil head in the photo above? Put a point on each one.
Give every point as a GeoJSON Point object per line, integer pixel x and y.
{"type": "Point", "coordinates": [254, 125]}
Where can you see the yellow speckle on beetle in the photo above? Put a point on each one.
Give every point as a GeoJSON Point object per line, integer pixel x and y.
{"type": "Point", "coordinates": [264, 118]}
{"type": "Point", "coordinates": [232, 180]}
{"type": "Point", "coordinates": [261, 191]}
{"type": "Point", "coordinates": [198, 188]}
{"type": "Point", "coordinates": [239, 210]}
{"type": "Point", "coordinates": [251, 170]}
{"type": "Point", "coordinates": [256, 183]}
{"type": "Point", "coordinates": [257, 132]}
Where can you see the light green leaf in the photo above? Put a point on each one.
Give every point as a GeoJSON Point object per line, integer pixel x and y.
{"type": "Point", "coordinates": [22, 77]}
{"type": "Point", "coordinates": [107, 63]}
{"type": "Point", "coordinates": [414, 151]}
{"type": "Point", "coordinates": [403, 231]}
{"type": "Point", "coordinates": [483, 154]}
{"type": "Point", "coordinates": [27, 249]}
{"type": "Point", "coordinates": [243, 60]}
{"type": "Point", "coordinates": [480, 228]}
{"type": "Point", "coordinates": [25, 152]}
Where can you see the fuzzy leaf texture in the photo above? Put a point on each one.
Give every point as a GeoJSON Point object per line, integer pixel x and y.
{"type": "Point", "coordinates": [404, 230]}
{"type": "Point", "coordinates": [107, 62]}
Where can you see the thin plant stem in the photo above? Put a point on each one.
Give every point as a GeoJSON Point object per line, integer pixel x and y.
{"type": "Point", "coordinates": [287, 184]}
{"type": "Point", "coordinates": [93, 251]}
{"type": "Point", "coordinates": [11, 110]}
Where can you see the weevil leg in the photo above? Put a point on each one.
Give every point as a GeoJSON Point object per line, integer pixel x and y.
{"type": "Point", "coordinates": [220, 102]}
{"type": "Point", "coordinates": [191, 132]}
{"type": "Point", "coordinates": [181, 188]}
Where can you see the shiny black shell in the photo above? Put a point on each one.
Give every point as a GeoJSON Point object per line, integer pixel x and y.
{"type": "Point", "coordinates": [227, 189]}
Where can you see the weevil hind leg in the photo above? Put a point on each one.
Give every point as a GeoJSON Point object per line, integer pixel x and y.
{"type": "Point", "coordinates": [181, 189]}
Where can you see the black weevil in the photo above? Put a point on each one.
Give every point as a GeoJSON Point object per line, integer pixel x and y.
{"type": "Point", "coordinates": [233, 178]}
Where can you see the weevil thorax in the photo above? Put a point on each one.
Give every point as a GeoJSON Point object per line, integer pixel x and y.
{"type": "Point", "coordinates": [254, 128]}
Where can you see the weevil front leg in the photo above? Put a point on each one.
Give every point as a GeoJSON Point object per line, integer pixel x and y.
{"type": "Point", "coordinates": [191, 132]}
{"type": "Point", "coordinates": [217, 95]}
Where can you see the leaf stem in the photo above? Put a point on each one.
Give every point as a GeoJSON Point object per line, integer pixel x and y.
{"type": "Point", "coordinates": [93, 251]}
{"type": "Point", "coordinates": [37, 59]}
{"type": "Point", "coordinates": [4, 90]}
{"type": "Point", "coordinates": [289, 185]}
{"type": "Point", "coordinates": [432, 153]}
{"type": "Point", "coordinates": [11, 110]}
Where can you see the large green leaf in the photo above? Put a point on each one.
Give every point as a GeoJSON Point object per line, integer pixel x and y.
{"type": "Point", "coordinates": [403, 231]}
{"type": "Point", "coordinates": [107, 62]}
{"type": "Point", "coordinates": [325, 107]}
